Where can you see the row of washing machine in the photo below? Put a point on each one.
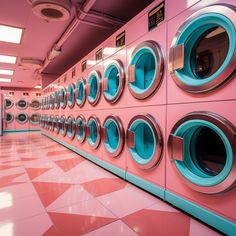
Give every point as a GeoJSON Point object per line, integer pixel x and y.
{"type": "Point", "coordinates": [170, 129]}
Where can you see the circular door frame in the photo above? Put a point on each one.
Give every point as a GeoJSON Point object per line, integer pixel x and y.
{"type": "Point", "coordinates": [9, 122]}
{"type": "Point", "coordinates": [33, 108]}
{"type": "Point", "coordinates": [57, 99]}
{"type": "Point", "coordinates": [51, 101]}
{"type": "Point", "coordinates": [83, 82]}
{"type": "Point", "coordinates": [83, 120]}
{"type": "Point", "coordinates": [65, 126]}
{"type": "Point", "coordinates": [228, 71]}
{"type": "Point", "coordinates": [156, 50]}
{"type": "Point", "coordinates": [71, 105]}
{"type": "Point", "coordinates": [72, 135]}
{"type": "Point", "coordinates": [120, 67]}
{"type": "Point", "coordinates": [121, 132]}
{"type": "Point", "coordinates": [56, 128]}
{"type": "Point", "coordinates": [98, 127]}
{"type": "Point", "coordinates": [156, 157]}
{"type": "Point", "coordinates": [22, 122]}
{"type": "Point", "coordinates": [63, 106]}
{"type": "Point", "coordinates": [22, 108]}
{"type": "Point", "coordinates": [34, 122]}
{"type": "Point", "coordinates": [8, 107]}
{"type": "Point", "coordinates": [98, 76]}
{"type": "Point", "coordinates": [226, 131]}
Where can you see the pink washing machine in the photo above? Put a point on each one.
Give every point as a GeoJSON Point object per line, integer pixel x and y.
{"type": "Point", "coordinates": [145, 139]}
{"type": "Point", "coordinates": [201, 53]}
{"type": "Point", "coordinates": [146, 58]}
{"type": "Point", "coordinates": [34, 111]}
{"type": "Point", "coordinates": [9, 117]}
{"type": "Point", "coordinates": [201, 162]}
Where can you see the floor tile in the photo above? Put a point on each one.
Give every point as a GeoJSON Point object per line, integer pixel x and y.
{"type": "Point", "coordinates": [68, 164]}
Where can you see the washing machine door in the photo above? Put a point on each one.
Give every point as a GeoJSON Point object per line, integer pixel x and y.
{"type": "Point", "coordinates": [202, 55]}
{"type": "Point", "coordinates": [8, 103]}
{"type": "Point", "coordinates": [22, 104]}
{"type": "Point", "coordinates": [51, 101]}
{"type": "Point", "coordinates": [22, 118]}
{"type": "Point", "coordinates": [57, 100]}
{"type": "Point", "coordinates": [81, 128]}
{"type": "Point", "coordinates": [146, 69]}
{"type": "Point", "coordinates": [63, 98]}
{"type": "Point", "coordinates": [35, 104]}
{"type": "Point", "coordinates": [9, 117]}
{"type": "Point", "coordinates": [145, 141]}
{"type": "Point", "coordinates": [71, 127]}
{"type": "Point", "coordinates": [93, 87]}
{"type": "Point", "coordinates": [113, 135]}
{"type": "Point", "coordinates": [202, 148]}
{"type": "Point", "coordinates": [63, 126]}
{"type": "Point", "coordinates": [113, 81]}
{"type": "Point", "coordinates": [80, 93]}
{"type": "Point", "coordinates": [35, 118]}
{"type": "Point", "coordinates": [93, 132]}
{"type": "Point", "coordinates": [71, 95]}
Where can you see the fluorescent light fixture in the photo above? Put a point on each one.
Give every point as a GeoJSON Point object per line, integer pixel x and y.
{"type": "Point", "coordinates": [7, 59]}
{"type": "Point", "coordinates": [6, 72]}
{"type": "Point", "coordinates": [38, 86]}
{"type": "Point", "coordinates": [10, 34]}
{"type": "Point", "coordinates": [5, 80]}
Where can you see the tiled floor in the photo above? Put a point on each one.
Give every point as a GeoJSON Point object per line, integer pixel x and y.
{"type": "Point", "coordinates": [48, 190]}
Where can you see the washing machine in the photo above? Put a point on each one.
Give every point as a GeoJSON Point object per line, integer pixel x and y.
{"type": "Point", "coordinates": [10, 110]}
{"type": "Point", "coordinates": [34, 121]}
{"type": "Point", "coordinates": [145, 139]}
{"type": "Point", "coordinates": [22, 121]}
{"type": "Point", "coordinates": [63, 97]}
{"type": "Point", "coordinates": [201, 53]}
{"type": "Point", "coordinates": [201, 162]}
{"type": "Point", "coordinates": [113, 141]}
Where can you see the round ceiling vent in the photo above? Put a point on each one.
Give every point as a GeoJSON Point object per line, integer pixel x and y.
{"type": "Point", "coordinates": [56, 10]}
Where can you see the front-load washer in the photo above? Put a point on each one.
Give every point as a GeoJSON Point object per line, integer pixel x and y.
{"type": "Point", "coordinates": [71, 95]}
{"type": "Point", "coordinates": [63, 127]}
{"type": "Point", "coordinates": [63, 97]}
{"type": "Point", "coordinates": [22, 121]}
{"type": "Point", "coordinates": [51, 101]}
{"type": "Point", "coordinates": [34, 120]}
{"type": "Point", "coordinates": [35, 104]}
{"type": "Point", "coordinates": [80, 92]}
{"type": "Point", "coordinates": [57, 100]}
{"type": "Point", "coordinates": [71, 127]}
{"type": "Point", "coordinates": [22, 104]}
{"type": "Point", "coordinates": [80, 129]}
{"type": "Point", "coordinates": [9, 103]}
{"type": "Point", "coordinates": [145, 139]}
{"type": "Point", "coordinates": [201, 162]}
{"type": "Point", "coordinates": [202, 55]}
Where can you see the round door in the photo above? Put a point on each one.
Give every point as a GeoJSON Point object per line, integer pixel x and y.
{"type": "Point", "coordinates": [113, 81]}
{"type": "Point", "coordinates": [57, 100]}
{"type": "Point", "coordinates": [51, 101]}
{"type": "Point", "coordinates": [34, 119]}
{"type": "Point", "coordinates": [63, 98]}
{"type": "Point", "coordinates": [144, 141]}
{"type": "Point", "coordinates": [56, 128]}
{"type": "Point", "coordinates": [202, 55]}
{"type": "Point", "coordinates": [113, 135]}
{"type": "Point", "coordinates": [80, 92]}
{"type": "Point", "coordinates": [71, 95]}
{"type": "Point", "coordinates": [71, 127]}
{"type": "Point", "coordinates": [94, 87]}
{"type": "Point", "coordinates": [22, 104]}
{"type": "Point", "coordinates": [93, 132]}
{"type": "Point", "coordinates": [49, 123]}
{"type": "Point", "coordinates": [146, 69]}
{"type": "Point", "coordinates": [80, 128]}
{"type": "Point", "coordinates": [35, 104]}
{"type": "Point", "coordinates": [9, 117]}
{"type": "Point", "coordinates": [63, 126]}
{"type": "Point", "coordinates": [22, 118]}
{"type": "Point", "coordinates": [8, 103]}
{"type": "Point", "coordinates": [42, 121]}
{"type": "Point", "coordinates": [202, 148]}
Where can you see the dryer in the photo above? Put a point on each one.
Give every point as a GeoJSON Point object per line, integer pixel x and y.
{"type": "Point", "coordinates": [201, 53]}
{"type": "Point", "coordinates": [34, 120]}
{"type": "Point", "coordinates": [201, 162]}
{"type": "Point", "coordinates": [10, 111]}
{"type": "Point", "coordinates": [22, 121]}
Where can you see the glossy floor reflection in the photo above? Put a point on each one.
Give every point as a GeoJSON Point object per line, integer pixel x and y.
{"type": "Point", "coordinates": [46, 189]}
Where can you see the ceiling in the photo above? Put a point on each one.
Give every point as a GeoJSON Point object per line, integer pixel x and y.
{"type": "Point", "coordinates": [39, 35]}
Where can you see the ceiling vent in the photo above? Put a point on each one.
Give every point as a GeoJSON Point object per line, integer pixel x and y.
{"type": "Point", "coordinates": [52, 10]}
{"type": "Point", "coordinates": [30, 64]}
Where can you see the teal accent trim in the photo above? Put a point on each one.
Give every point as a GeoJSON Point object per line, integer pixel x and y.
{"type": "Point", "coordinates": [154, 189]}
{"type": "Point", "coordinates": [72, 97]}
{"type": "Point", "coordinates": [70, 130]}
{"type": "Point", "coordinates": [145, 62]}
{"type": "Point", "coordinates": [93, 82]}
{"type": "Point", "coordinates": [56, 98]}
{"type": "Point", "coordinates": [144, 142]}
{"type": "Point", "coordinates": [80, 88]}
{"type": "Point", "coordinates": [113, 136]}
{"type": "Point", "coordinates": [113, 77]}
{"type": "Point", "coordinates": [113, 169]}
{"type": "Point", "coordinates": [188, 168]}
{"type": "Point", "coordinates": [216, 221]}
{"type": "Point", "coordinates": [20, 130]}
{"type": "Point", "coordinates": [62, 102]}
{"type": "Point", "coordinates": [192, 33]}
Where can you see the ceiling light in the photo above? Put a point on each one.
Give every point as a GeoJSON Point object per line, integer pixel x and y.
{"type": "Point", "coordinates": [5, 80]}
{"type": "Point", "coordinates": [10, 34]}
{"type": "Point", "coordinates": [38, 87]}
{"type": "Point", "coordinates": [6, 72]}
{"type": "Point", "coordinates": [8, 59]}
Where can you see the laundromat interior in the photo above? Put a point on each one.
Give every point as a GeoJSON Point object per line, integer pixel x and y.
{"type": "Point", "coordinates": [117, 117]}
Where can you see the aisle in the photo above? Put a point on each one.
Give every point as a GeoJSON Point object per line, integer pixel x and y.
{"type": "Point", "coordinates": [45, 189]}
